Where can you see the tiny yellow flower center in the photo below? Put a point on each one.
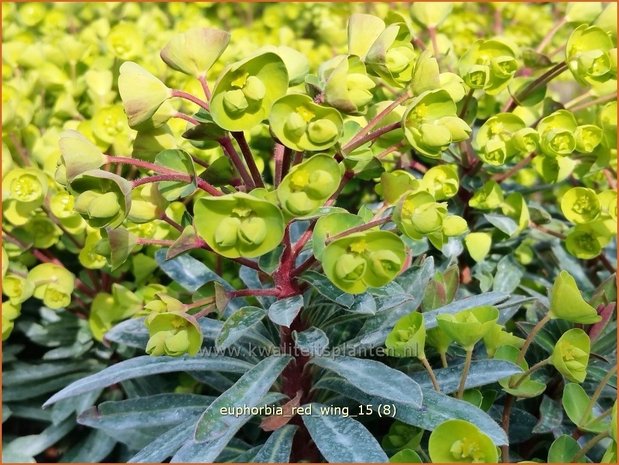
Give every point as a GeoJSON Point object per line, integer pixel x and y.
{"type": "Point", "coordinates": [239, 79]}
{"type": "Point", "coordinates": [26, 188]}
{"type": "Point", "coordinates": [419, 112]}
{"type": "Point", "coordinates": [359, 246]}
{"type": "Point", "coordinates": [299, 179]}
{"type": "Point", "coordinates": [582, 204]}
{"type": "Point", "coordinates": [305, 113]}
{"type": "Point", "coordinates": [466, 448]}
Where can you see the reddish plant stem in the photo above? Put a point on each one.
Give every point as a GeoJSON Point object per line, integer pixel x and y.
{"type": "Point", "coordinates": [352, 145]}
{"type": "Point", "coordinates": [205, 88]}
{"type": "Point", "coordinates": [303, 267]}
{"type": "Point", "coordinates": [140, 164]}
{"type": "Point", "coordinates": [148, 241]}
{"type": "Point", "coordinates": [201, 183]}
{"type": "Point", "coordinates": [249, 158]}
{"type": "Point", "coordinates": [171, 222]}
{"type": "Point", "coordinates": [287, 161]}
{"type": "Point", "coordinates": [390, 149]}
{"type": "Point", "coordinates": [378, 118]}
{"type": "Point", "coordinates": [603, 99]}
{"type": "Point", "coordinates": [513, 170]}
{"type": "Point", "coordinates": [187, 118]}
{"type": "Point", "coordinates": [507, 410]}
{"type": "Point", "coordinates": [361, 227]}
{"type": "Point", "coordinates": [278, 158]}
{"type": "Point", "coordinates": [235, 158]}
{"type": "Point", "coordinates": [548, 76]}
{"type": "Point", "coordinates": [253, 292]}
{"type": "Point", "coordinates": [192, 98]}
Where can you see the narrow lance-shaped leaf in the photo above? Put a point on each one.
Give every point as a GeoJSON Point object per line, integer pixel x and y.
{"type": "Point", "coordinates": [342, 439]}
{"type": "Point", "coordinates": [145, 366]}
{"type": "Point", "coordinates": [374, 378]}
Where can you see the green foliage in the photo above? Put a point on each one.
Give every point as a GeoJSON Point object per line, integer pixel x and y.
{"type": "Point", "coordinates": [309, 232]}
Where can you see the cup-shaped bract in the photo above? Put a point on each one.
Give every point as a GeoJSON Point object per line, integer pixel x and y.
{"type": "Point", "coordinates": [78, 154]}
{"type": "Point", "coordinates": [367, 259]}
{"type": "Point", "coordinates": [23, 190]}
{"type": "Point", "coordinates": [239, 225]}
{"type": "Point", "coordinates": [567, 303]}
{"type": "Point", "coordinates": [102, 198]}
{"type": "Point", "coordinates": [558, 133]}
{"type": "Point", "coordinates": [496, 138]}
{"type": "Point", "coordinates": [363, 30]}
{"type": "Point", "coordinates": [489, 197]}
{"type": "Point", "coordinates": [244, 93]}
{"type": "Point", "coordinates": [516, 385]}
{"type": "Point", "coordinates": [141, 92]}
{"type": "Point", "coordinates": [296, 62]}
{"type": "Point", "coordinates": [498, 337]}
{"type": "Point", "coordinates": [348, 86]}
{"type": "Point", "coordinates": [458, 441]}
{"type": "Point", "coordinates": [585, 241]}
{"type": "Point", "coordinates": [426, 76]}
{"type": "Point", "coordinates": [147, 204]}
{"type": "Point", "coordinates": [53, 284]}
{"type": "Point", "coordinates": [588, 137]}
{"type": "Point", "coordinates": [173, 334]}
{"type": "Point", "coordinates": [591, 55]}
{"type": "Point", "coordinates": [10, 312]}
{"type": "Point", "coordinates": [309, 185]}
{"type": "Point", "coordinates": [469, 326]}
{"type": "Point", "coordinates": [580, 205]}
{"type": "Point", "coordinates": [489, 65]}
{"type": "Point", "coordinates": [608, 204]}
{"type": "Point", "coordinates": [408, 337]}
{"type": "Point", "coordinates": [301, 124]}
{"type": "Point", "coordinates": [441, 181]}
{"type": "Point", "coordinates": [391, 56]}
{"type": "Point", "coordinates": [570, 355]}
{"type": "Point", "coordinates": [395, 184]}
{"type": "Point", "coordinates": [431, 14]}
{"type": "Point", "coordinates": [515, 206]}
{"type": "Point", "coordinates": [478, 245]}
{"type": "Point", "coordinates": [438, 339]}
{"type": "Point", "coordinates": [430, 123]}
{"type": "Point", "coordinates": [418, 214]}
{"type": "Point", "coordinates": [17, 288]}
{"type": "Point", "coordinates": [196, 50]}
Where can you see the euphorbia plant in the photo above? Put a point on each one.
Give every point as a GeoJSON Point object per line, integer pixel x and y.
{"type": "Point", "coordinates": [265, 220]}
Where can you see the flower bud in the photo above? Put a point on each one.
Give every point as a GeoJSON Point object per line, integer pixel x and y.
{"type": "Point", "coordinates": [469, 326]}
{"type": "Point", "coordinates": [141, 92]}
{"type": "Point", "coordinates": [408, 337]}
{"type": "Point", "coordinates": [570, 355]}
{"type": "Point", "coordinates": [235, 101]}
{"type": "Point", "coordinates": [322, 131]}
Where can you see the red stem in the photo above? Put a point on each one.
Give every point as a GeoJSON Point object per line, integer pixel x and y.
{"type": "Point", "coordinates": [377, 119]}
{"type": "Point", "coordinates": [201, 183]}
{"type": "Point", "coordinates": [352, 145]}
{"type": "Point", "coordinates": [249, 158]}
{"type": "Point", "coordinates": [205, 88]}
{"type": "Point", "coordinates": [191, 98]}
{"type": "Point", "coordinates": [278, 157]}
{"type": "Point", "coordinates": [234, 156]}
{"type": "Point", "coordinates": [187, 118]}
{"type": "Point", "coordinates": [253, 292]}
